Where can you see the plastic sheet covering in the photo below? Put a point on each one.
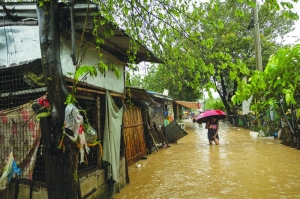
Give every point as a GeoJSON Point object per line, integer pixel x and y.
{"type": "Point", "coordinates": [174, 132]}
{"type": "Point", "coordinates": [246, 105]}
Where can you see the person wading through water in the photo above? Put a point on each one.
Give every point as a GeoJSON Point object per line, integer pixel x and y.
{"type": "Point", "coordinates": [213, 128]}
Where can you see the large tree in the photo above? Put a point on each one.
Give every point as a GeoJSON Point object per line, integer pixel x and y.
{"type": "Point", "coordinates": [230, 54]}
{"type": "Point", "coordinates": [216, 49]}
{"type": "Point", "coordinates": [160, 77]}
{"type": "Point", "coordinates": [61, 166]}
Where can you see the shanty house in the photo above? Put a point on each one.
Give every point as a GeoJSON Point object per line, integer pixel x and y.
{"type": "Point", "coordinates": [144, 128]}
{"type": "Point", "coordinates": [21, 84]}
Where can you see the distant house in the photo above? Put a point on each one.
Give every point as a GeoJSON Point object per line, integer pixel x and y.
{"type": "Point", "coordinates": [148, 123]}
{"type": "Point", "coordinates": [165, 116]}
{"type": "Point", "coordinates": [21, 83]}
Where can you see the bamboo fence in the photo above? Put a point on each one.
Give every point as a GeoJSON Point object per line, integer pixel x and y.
{"type": "Point", "coordinates": [134, 135]}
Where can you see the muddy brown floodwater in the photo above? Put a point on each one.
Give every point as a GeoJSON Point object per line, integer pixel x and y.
{"type": "Point", "coordinates": [242, 166]}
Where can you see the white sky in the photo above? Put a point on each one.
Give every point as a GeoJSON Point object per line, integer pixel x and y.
{"type": "Point", "coordinates": [290, 38]}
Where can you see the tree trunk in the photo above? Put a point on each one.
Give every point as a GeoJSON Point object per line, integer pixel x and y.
{"type": "Point", "coordinates": [223, 96]}
{"type": "Point", "coordinates": [60, 165]}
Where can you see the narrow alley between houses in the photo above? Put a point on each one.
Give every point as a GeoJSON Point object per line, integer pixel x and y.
{"type": "Point", "coordinates": [242, 166]}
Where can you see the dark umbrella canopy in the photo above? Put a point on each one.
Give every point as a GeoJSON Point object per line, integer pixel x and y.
{"type": "Point", "coordinates": [207, 115]}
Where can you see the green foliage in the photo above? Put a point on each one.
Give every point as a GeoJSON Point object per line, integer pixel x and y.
{"type": "Point", "coordinates": [70, 99]}
{"type": "Point", "coordinates": [83, 71]}
{"type": "Point", "coordinates": [159, 78]}
{"type": "Point", "coordinates": [100, 38]}
{"type": "Point", "coordinates": [41, 2]}
{"type": "Point", "coordinates": [102, 67]}
{"type": "Point", "coordinates": [207, 47]}
{"type": "Point", "coordinates": [214, 104]}
{"type": "Point", "coordinates": [202, 48]}
{"type": "Point", "coordinates": [279, 80]}
{"type": "Point", "coordinates": [298, 113]}
{"type": "Point", "coordinates": [75, 175]}
{"type": "Point", "coordinates": [135, 81]}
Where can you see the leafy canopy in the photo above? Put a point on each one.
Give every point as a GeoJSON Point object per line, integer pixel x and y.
{"type": "Point", "coordinates": [209, 46]}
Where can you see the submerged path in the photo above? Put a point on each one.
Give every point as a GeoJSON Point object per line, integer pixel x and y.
{"type": "Point", "coordinates": [242, 166]}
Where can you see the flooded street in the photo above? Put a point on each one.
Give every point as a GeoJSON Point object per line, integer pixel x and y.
{"type": "Point", "coordinates": [242, 166]}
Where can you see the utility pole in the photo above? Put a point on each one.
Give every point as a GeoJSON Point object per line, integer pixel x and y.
{"type": "Point", "coordinates": [257, 45]}
{"type": "Point", "coordinates": [203, 101]}
{"type": "Point", "coordinates": [257, 39]}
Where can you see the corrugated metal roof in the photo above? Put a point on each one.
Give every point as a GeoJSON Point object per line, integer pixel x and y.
{"type": "Point", "coordinates": [19, 45]}
{"type": "Point", "coordinates": [194, 105]}
{"type": "Point", "coordinates": [174, 132]}
{"type": "Point", "coordinates": [160, 96]}
{"type": "Point", "coordinates": [141, 94]}
{"type": "Point", "coordinates": [24, 14]}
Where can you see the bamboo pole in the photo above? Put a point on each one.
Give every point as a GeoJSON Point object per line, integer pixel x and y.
{"type": "Point", "coordinates": [96, 92]}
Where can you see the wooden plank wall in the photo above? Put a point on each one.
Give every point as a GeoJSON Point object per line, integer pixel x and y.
{"type": "Point", "coordinates": [134, 135]}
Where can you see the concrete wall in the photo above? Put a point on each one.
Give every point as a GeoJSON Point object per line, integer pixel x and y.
{"type": "Point", "coordinates": [23, 192]}
{"type": "Point", "coordinates": [91, 58]}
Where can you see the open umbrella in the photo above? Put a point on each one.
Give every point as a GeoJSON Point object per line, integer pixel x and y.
{"type": "Point", "coordinates": [207, 115]}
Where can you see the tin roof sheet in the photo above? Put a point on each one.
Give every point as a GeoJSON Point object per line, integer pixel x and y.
{"type": "Point", "coordinates": [23, 15]}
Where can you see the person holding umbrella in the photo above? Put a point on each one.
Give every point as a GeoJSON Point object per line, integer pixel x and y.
{"type": "Point", "coordinates": [211, 118]}
{"type": "Point", "coordinates": [213, 127]}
